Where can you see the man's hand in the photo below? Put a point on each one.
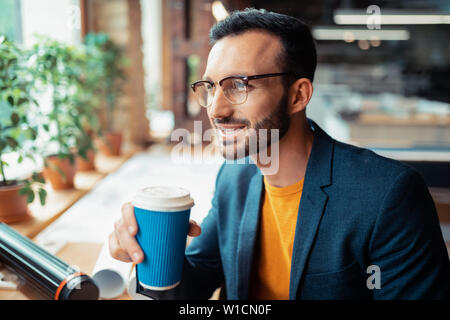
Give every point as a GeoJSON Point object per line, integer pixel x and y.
{"type": "Point", "coordinates": [122, 242]}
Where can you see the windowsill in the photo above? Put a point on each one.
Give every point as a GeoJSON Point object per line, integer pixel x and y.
{"type": "Point", "coordinates": [59, 201]}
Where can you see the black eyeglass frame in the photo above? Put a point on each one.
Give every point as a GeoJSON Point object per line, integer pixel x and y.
{"type": "Point", "coordinates": [245, 79]}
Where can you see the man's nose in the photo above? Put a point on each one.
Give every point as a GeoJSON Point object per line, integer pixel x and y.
{"type": "Point", "coordinates": [220, 106]}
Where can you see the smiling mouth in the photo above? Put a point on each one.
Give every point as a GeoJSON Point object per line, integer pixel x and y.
{"type": "Point", "coordinates": [231, 132]}
{"type": "Point", "coordinates": [231, 129]}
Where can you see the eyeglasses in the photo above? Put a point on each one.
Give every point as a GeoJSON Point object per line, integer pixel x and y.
{"type": "Point", "coordinates": [235, 88]}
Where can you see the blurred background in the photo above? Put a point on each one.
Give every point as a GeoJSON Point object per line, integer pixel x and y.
{"type": "Point", "coordinates": [381, 82]}
{"type": "Point", "coordinates": [110, 79]}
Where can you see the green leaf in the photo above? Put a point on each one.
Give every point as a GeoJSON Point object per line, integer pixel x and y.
{"type": "Point", "coordinates": [24, 191]}
{"type": "Point", "coordinates": [11, 142]}
{"type": "Point", "coordinates": [30, 196]}
{"type": "Point", "coordinates": [42, 196]}
{"type": "Point", "coordinates": [33, 133]}
{"type": "Point", "coordinates": [10, 100]}
{"type": "Point", "coordinates": [4, 163]}
{"type": "Point", "coordinates": [15, 118]}
{"type": "Point", "coordinates": [20, 159]}
{"type": "Point", "coordinates": [22, 101]}
{"type": "Point", "coordinates": [38, 177]}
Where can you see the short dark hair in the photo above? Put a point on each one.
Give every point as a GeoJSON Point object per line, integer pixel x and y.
{"type": "Point", "coordinates": [299, 54]}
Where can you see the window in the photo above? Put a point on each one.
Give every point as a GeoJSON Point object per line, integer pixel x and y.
{"type": "Point", "coordinates": [10, 20]}
{"type": "Point", "coordinates": [21, 21]}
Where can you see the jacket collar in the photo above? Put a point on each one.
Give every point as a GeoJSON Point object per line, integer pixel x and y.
{"type": "Point", "coordinates": [312, 204]}
{"type": "Point", "coordinates": [248, 235]}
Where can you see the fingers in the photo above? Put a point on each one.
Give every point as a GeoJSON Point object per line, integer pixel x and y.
{"type": "Point", "coordinates": [116, 251]}
{"type": "Point", "coordinates": [129, 218]}
{"type": "Point", "coordinates": [123, 244]}
{"type": "Point", "coordinates": [194, 229]}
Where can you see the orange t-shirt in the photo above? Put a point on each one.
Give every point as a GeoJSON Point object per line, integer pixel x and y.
{"type": "Point", "coordinates": [272, 264]}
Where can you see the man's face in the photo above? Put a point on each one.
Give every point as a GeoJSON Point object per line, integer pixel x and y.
{"type": "Point", "coordinates": [251, 53]}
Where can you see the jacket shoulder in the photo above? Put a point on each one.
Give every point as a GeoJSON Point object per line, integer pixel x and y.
{"type": "Point", "coordinates": [365, 162]}
{"type": "Point", "coordinates": [235, 171]}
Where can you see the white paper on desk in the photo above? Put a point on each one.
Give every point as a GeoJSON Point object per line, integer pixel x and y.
{"type": "Point", "coordinates": [111, 275]}
{"type": "Point", "coordinates": [131, 288]}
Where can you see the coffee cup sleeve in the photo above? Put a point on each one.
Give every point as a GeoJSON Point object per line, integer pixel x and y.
{"type": "Point", "coordinates": [111, 275]}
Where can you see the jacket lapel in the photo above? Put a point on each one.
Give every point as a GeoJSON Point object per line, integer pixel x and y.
{"type": "Point", "coordinates": [312, 204]}
{"type": "Point", "coordinates": [247, 235]}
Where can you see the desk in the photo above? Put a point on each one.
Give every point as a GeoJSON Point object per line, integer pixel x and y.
{"type": "Point", "coordinates": [86, 224]}
{"type": "Point", "coordinates": [83, 255]}
{"type": "Point", "coordinates": [59, 201]}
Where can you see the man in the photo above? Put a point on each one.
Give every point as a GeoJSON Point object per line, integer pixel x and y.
{"type": "Point", "coordinates": [330, 214]}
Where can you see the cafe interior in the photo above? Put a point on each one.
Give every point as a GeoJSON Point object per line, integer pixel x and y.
{"type": "Point", "coordinates": [96, 104]}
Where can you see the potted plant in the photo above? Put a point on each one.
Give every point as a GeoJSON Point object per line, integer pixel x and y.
{"type": "Point", "coordinates": [17, 135]}
{"type": "Point", "coordinates": [86, 101]}
{"type": "Point", "coordinates": [53, 67]}
{"type": "Point", "coordinates": [109, 67]}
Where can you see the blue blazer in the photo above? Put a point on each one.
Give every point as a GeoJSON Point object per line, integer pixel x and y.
{"type": "Point", "coordinates": [357, 210]}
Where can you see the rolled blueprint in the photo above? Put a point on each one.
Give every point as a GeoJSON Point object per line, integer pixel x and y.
{"type": "Point", "coordinates": [110, 275]}
{"type": "Point", "coordinates": [49, 275]}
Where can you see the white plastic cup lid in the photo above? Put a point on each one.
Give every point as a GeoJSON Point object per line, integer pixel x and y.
{"type": "Point", "coordinates": [163, 198]}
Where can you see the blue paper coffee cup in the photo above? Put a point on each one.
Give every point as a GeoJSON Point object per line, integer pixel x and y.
{"type": "Point", "coordinates": [162, 214]}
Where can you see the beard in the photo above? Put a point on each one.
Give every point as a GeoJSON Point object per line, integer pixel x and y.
{"type": "Point", "coordinates": [260, 135]}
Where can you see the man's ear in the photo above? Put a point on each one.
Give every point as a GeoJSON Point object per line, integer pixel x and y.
{"type": "Point", "coordinates": [300, 93]}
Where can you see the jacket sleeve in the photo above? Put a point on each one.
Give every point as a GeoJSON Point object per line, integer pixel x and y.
{"type": "Point", "coordinates": [407, 243]}
{"type": "Point", "coordinates": [202, 269]}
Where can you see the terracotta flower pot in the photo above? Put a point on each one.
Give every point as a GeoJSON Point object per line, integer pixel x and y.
{"type": "Point", "coordinates": [86, 165]}
{"type": "Point", "coordinates": [13, 206]}
{"type": "Point", "coordinates": [110, 144]}
{"type": "Point", "coordinates": [52, 172]}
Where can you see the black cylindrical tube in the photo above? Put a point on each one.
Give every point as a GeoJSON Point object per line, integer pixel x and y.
{"type": "Point", "coordinates": [54, 278]}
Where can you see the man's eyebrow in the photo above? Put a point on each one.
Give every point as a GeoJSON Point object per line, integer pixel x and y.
{"type": "Point", "coordinates": [236, 74]}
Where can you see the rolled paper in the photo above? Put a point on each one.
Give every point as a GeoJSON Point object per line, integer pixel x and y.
{"type": "Point", "coordinates": [50, 276]}
{"type": "Point", "coordinates": [110, 275]}
{"type": "Point", "coordinates": [131, 289]}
